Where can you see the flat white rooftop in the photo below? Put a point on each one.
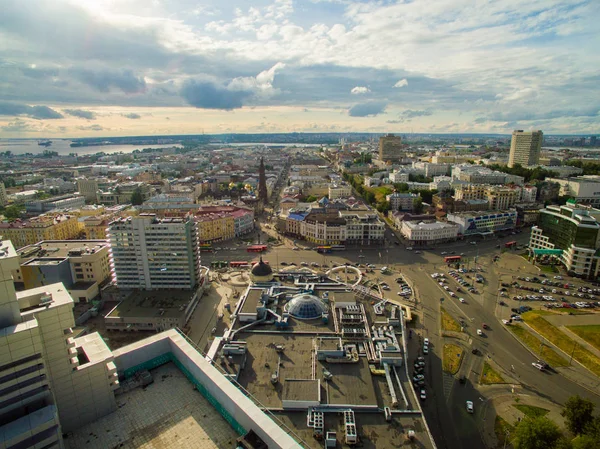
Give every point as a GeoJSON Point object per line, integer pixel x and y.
{"type": "Point", "coordinates": [168, 414]}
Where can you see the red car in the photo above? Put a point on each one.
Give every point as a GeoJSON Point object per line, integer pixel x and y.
{"type": "Point", "coordinates": [485, 326]}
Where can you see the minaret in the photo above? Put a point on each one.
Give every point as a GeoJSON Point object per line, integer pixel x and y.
{"type": "Point", "coordinates": [262, 183]}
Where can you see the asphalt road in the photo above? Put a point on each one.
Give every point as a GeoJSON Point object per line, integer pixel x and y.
{"type": "Point", "coordinates": [444, 408]}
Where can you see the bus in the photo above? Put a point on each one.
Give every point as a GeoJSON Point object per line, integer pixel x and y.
{"type": "Point", "coordinates": [206, 248]}
{"type": "Point", "coordinates": [452, 259]}
{"type": "Point", "coordinates": [239, 264]}
{"type": "Point", "coordinates": [338, 247]}
{"type": "Point", "coordinates": [257, 248]}
{"type": "Point", "coordinates": [510, 244]}
{"type": "Point", "coordinates": [324, 249]}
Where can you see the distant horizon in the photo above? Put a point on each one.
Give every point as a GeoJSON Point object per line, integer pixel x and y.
{"type": "Point", "coordinates": [274, 133]}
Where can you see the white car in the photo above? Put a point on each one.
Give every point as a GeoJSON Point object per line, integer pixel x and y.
{"type": "Point", "coordinates": [479, 332]}
{"type": "Point", "coordinates": [462, 300]}
{"type": "Point", "coordinates": [558, 278]}
{"type": "Point", "coordinates": [470, 408]}
{"type": "Point", "coordinates": [507, 322]}
{"type": "Point", "coordinates": [423, 394]}
{"type": "Point", "coordinates": [426, 342]}
{"type": "Point", "coordinates": [409, 248]}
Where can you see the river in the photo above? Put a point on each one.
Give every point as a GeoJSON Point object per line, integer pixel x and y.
{"type": "Point", "coordinates": [63, 147]}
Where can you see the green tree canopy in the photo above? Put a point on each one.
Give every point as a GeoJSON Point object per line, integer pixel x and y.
{"type": "Point", "coordinates": [578, 413]}
{"type": "Point", "coordinates": [136, 197]}
{"type": "Point", "coordinates": [537, 433]}
{"type": "Point", "coordinates": [13, 212]}
{"type": "Point", "coordinates": [311, 198]}
{"type": "Point", "coordinates": [418, 205]}
{"type": "Point", "coordinates": [401, 187]}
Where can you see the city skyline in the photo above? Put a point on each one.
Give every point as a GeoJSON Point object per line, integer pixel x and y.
{"type": "Point", "coordinates": [104, 68]}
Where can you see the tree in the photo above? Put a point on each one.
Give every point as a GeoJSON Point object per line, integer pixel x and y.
{"type": "Point", "coordinates": [401, 187]}
{"type": "Point", "coordinates": [537, 433]}
{"type": "Point", "coordinates": [586, 442]}
{"type": "Point", "coordinates": [383, 207]}
{"type": "Point", "coordinates": [136, 197]}
{"type": "Point", "coordinates": [578, 414]}
{"type": "Point", "coordinates": [13, 212]}
{"type": "Point", "coordinates": [311, 199]}
{"type": "Point", "coordinates": [418, 205]}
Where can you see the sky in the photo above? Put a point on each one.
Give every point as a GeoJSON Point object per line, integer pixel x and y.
{"type": "Point", "coordinates": [78, 68]}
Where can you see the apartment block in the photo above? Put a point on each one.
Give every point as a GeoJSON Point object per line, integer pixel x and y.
{"type": "Point", "coordinates": [49, 226]}
{"type": "Point", "coordinates": [152, 253]}
{"type": "Point", "coordinates": [45, 373]}
{"type": "Point", "coordinates": [339, 190]}
{"type": "Point", "coordinates": [390, 148]}
{"type": "Point", "coordinates": [402, 201]}
{"type": "Point", "coordinates": [88, 188]}
{"type": "Point", "coordinates": [525, 147]}
{"type": "Point", "coordinates": [83, 266]}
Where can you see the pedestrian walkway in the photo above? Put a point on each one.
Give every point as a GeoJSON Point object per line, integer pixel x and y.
{"type": "Point", "coordinates": [504, 406]}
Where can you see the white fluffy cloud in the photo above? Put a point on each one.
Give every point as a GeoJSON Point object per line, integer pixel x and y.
{"type": "Point", "coordinates": [403, 82]}
{"type": "Point", "coordinates": [359, 90]}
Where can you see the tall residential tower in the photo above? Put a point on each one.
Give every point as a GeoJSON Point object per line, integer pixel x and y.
{"type": "Point", "coordinates": [525, 148]}
{"type": "Point", "coordinates": [390, 148]}
{"type": "Point", "coordinates": [151, 253]}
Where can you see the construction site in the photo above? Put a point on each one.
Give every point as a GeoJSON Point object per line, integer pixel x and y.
{"type": "Point", "coordinates": [325, 359]}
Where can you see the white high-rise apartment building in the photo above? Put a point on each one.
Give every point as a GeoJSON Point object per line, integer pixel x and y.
{"type": "Point", "coordinates": [525, 148]}
{"type": "Point", "coordinates": [45, 373]}
{"type": "Point", "coordinates": [151, 253]}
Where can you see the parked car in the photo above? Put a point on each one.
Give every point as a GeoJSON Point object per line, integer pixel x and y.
{"type": "Point", "coordinates": [470, 407]}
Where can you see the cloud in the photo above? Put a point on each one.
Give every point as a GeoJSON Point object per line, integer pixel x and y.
{"type": "Point", "coordinates": [403, 82]}
{"type": "Point", "coordinates": [208, 95]}
{"type": "Point", "coordinates": [91, 128]}
{"type": "Point", "coordinates": [359, 90]}
{"type": "Point", "coordinates": [261, 84]}
{"type": "Point", "coordinates": [81, 113]}
{"type": "Point", "coordinates": [410, 113]}
{"type": "Point", "coordinates": [17, 126]}
{"type": "Point", "coordinates": [132, 115]}
{"type": "Point", "coordinates": [37, 112]}
{"type": "Point", "coordinates": [104, 80]}
{"type": "Point", "coordinates": [370, 109]}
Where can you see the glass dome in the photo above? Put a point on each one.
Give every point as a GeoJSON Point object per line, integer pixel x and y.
{"type": "Point", "coordinates": [306, 307]}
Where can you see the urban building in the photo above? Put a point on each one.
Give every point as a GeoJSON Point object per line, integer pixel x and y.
{"type": "Point", "coordinates": [399, 176]}
{"type": "Point", "coordinates": [572, 234]}
{"type": "Point", "coordinates": [339, 190]}
{"type": "Point", "coordinates": [46, 373]}
{"type": "Point", "coordinates": [497, 197]}
{"type": "Point", "coordinates": [3, 196]}
{"type": "Point", "coordinates": [57, 202]}
{"type": "Point", "coordinates": [476, 174]}
{"type": "Point", "coordinates": [121, 194]}
{"type": "Point", "coordinates": [152, 253]}
{"type": "Point", "coordinates": [390, 148]}
{"type": "Point", "coordinates": [483, 223]}
{"type": "Point", "coordinates": [525, 147]}
{"type": "Point", "coordinates": [421, 233]}
{"type": "Point", "coordinates": [582, 189]}
{"type": "Point", "coordinates": [44, 227]}
{"type": "Point", "coordinates": [324, 229]}
{"type": "Point", "coordinates": [88, 188]}
{"type": "Point", "coordinates": [219, 223]}
{"type": "Point", "coordinates": [363, 227]}
{"type": "Point", "coordinates": [402, 201]}
{"type": "Point", "coordinates": [25, 195]}
{"type": "Point", "coordinates": [83, 266]}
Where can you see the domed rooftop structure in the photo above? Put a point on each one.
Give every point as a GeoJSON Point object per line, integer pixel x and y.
{"type": "Point", "coordinates": [261, 272]}
{"type": "Point", "coordinates": [306, 307]}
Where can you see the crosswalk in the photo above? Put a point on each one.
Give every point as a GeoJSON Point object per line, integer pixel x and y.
{"type": "Point", "coordinates": [447, 383]}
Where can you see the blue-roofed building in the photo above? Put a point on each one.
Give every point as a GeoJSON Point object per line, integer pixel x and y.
{"type": "Point", "coordinates": [292, 224]}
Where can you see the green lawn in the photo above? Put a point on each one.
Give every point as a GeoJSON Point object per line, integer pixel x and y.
{"type": "Point", "coordinates": [548, 268]}
{"type": "Point", "coordinates": [590, 333]}
{"type": "Point", "coordinates": [452, 356]}
{"type": "Point", "coordinates": [549, 355]}
{"type": "Point", "coordinates": [572, 311]}
{"type": "Point", "coordinates": [531, 411]}
{"type": "Point", "coordinates": [561, 340]}
{"type": "Point", "coordinates": [449, 323]}
{"type": "Point", "coordinates": [490, 376]}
